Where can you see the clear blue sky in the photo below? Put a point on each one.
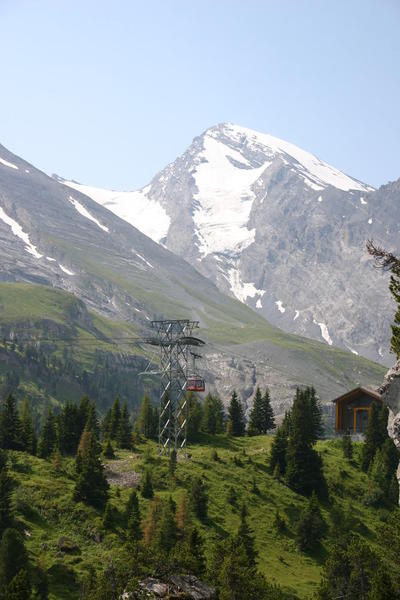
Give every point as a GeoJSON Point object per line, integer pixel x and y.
{"type": "Point", "coordinates": [109, 92]}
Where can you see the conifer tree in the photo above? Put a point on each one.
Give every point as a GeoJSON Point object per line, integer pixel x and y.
{"type": "Point", "coordinates": [92, 423]}
{"type": "Point", "coordinates": [147, 485]}
{"type": "Point", "coordinates": [19, 587]}
{"type": "Point", "coordinates": [124, 434]}
{"type": "Point", "coordinates": [353, 570]}
{"type": "Point", "coordinates": [236, 416]}
{"type": "Point", "coordinates": [152, 521]}
{"type": "Point", "coordinates": [195, 552]}
{"type": "Point", "coordinates": [6, 488]}
{"type": "Point", "coordinates": [14, 565]}
{"type": "Point", "coordinates": [108, 451]}
{"type": "Point", "coordinates": [115, 419]}
{"type": "Point", "coordinates": [108, 516]}
{"type": "Point", "coordinates": [83, 412]}
{"type": "Point", "coordinates": [91, 485]}
{"type": "Point", "coordinates": [134, 532]}
{"type": "Point", "coordinates": [316, 413]}
{"type": "Point", "coordinates": [10, 425]}
{"type": "Point", "coordinates": [244, 537]}
{"type": "Point", "coordinates": [375, 435]}
{"type": "Point", "coordinates": [310, 527]}
{"type": "Point", "coordinates": [277, 457]}
{"type": "Point", "coordinates": [236, 578]}
{"type": "Point", "coordinates": [256, 417]}
{"type": "Point", "coordinates": [69, 432]}
{"type": "Point", "coordinates": [183, 516]}
{"type": "Point", "coordinates": [347, 446]}
{"type": "Point", "coordinates": [304, 472]}
{"type": "Point", "coordinates": [132, 499]}
{"type": "Point", "coordinates": [199, 499]}
{"type": "Point", "coordinates": [195, 416]}
{"type": "Point", "coordinates": [145, 421]}
{"type": "Point", "coordinates": [395, 289]}
{"type": "Point", "coordinates": [268, 413]}
{"type": "Point", "coordinates": [28, 435]}
{"type": "Point", "coordinates": [172, 462]}
{"type": "Point", "coordinates": [167, 532]}
{"type": "Point", "coordinates": [106, 425]}
{"type": "Point", "coordinates": [213, 415]}
{"type": "Point", "coordinates": [389, 262]}
{"type": "Point", "coordinates": [48, 439]}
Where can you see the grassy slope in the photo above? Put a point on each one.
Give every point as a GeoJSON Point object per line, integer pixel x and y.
{"type": "Point", "coordinates": [234, 324]}
{"type": "Point", "coordinates": [44, 505]}
{"type": "Point", "coordinates": [50, 313]}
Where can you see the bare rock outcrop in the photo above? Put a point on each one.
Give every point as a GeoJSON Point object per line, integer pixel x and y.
{"type": "Point", "coordinates": [391, 396]}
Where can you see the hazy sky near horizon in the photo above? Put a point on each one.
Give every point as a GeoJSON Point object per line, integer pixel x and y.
{"type": "Point", "coordinates": [108, 92]}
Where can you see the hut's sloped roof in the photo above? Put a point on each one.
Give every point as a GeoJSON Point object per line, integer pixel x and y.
{"type": "Point", "coordinates": [359, 390]}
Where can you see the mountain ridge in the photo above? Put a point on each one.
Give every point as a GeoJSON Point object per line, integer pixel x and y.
{"type": "Point", "coordinates": [269, 227]}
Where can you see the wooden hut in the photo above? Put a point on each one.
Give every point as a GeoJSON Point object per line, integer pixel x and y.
{"type": "Point", "coordinates": [353, 408]}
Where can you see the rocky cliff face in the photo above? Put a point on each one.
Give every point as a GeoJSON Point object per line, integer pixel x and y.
{"type": "Point", "coordinates": [391, 397]}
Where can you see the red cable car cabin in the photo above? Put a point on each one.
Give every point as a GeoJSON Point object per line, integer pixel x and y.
{"type": "Point", "coordinates": [195, 384]}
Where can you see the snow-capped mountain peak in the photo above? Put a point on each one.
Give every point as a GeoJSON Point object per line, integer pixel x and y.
{"type": "Point", "coordinates": [317, 173]}
{"type": "Point", "coordinates": [274, 226]}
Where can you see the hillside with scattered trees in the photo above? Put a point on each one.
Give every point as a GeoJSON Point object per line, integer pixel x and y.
{"type": "Point", "coordinates": [89, 509]}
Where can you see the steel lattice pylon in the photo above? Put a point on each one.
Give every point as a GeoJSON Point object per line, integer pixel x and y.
{"type": "Point", "coordinates": [174, 338]}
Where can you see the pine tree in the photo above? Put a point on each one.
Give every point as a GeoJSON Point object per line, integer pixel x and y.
{"type": "Point", "coordinates": [195, 416]}
{"type": "Point", "coordinates": [172, 462]}
{"type": "Point", "coordinates": [108, 516]}
{"type": "Point", "coordinates": [389, 262]}
{"type": "Point", "coordinates": [316, 413]}
{"type": "Point", "coordinates": [310, 527]}
{"type": "Point", "coordinates": [277, 457]}
{"type": "Point", "coordinates": [13, 562]}
{"type": "Point", "coordinates": [6, 488]}
{"type": "Point", "coordinates": [182, 516]}
{"type": "Point", "coordinates": [395, 289]}
{"type": "Point", "coordinates": [129, 505]}
{"type": "Point", "coordinates": [167, 532]}
{"type": "Point", "coordinates": [106, 425]}
{"type": "Point", "coordinates": [28, 435]}
{"type": "Point", "coordinates": [268, 413]}
{"type": "Point", "coordinates": [244, 537]}
{"type": "Point", "coordinates": [91, 485]}
{"type": "Point", "coordinates": [353, 570]}
{"type": "Point", "coordinates": [69, 431]}
{"type": "Point", "coordinates": [124, 433]}
{"type": "Point", "coordinates": [213, 415]}
{"type": "Point", "coordinates": [195, 552]}
{"type": "Point", "coordinates": [152, 521]}
{"type": "Point", "coordinates": [256, 417]}
{"type": "Point", "coordinates": [108, 451]}
{"type": "Point", "coordinates": [92, 423]}
{"type": "Point", "coordinates": [347, 446]}
{"type": "Point", "coordinates": [304, 472]}
{"type": "Point", "coordinates": [48, 439]}
{"type": "Point", "coordinates": [373, 437]}
{"type": "Point", "coordinates": [147, 485]}
{"type": "Point", "coordinates": [115, 419]}
{"type": "Point", "coordinates": [134, 532]}
{"type": "Point", "coordinates": [236, 416]}
{"type": "Point", "coordinates": [236, 578]}
{"type": "Point", "coordinates": [145, 422]}
{"type": "Point", "coordinates": [199, 499]}
{"type": "Point", "coordinates": [10, 425]}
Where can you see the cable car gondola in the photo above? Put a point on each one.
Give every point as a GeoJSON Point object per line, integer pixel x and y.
{"type": "Point", "coordinates": [194, 383]}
